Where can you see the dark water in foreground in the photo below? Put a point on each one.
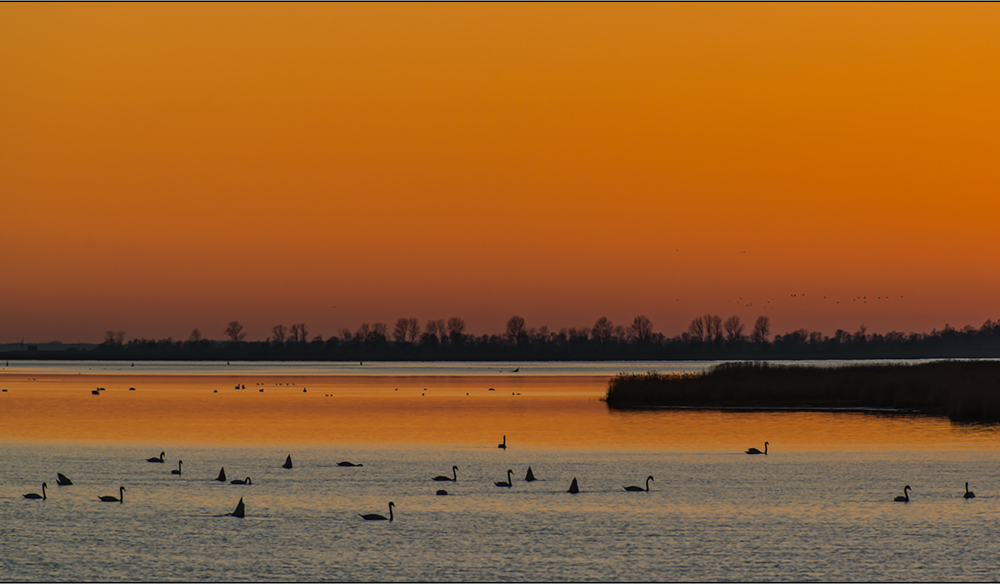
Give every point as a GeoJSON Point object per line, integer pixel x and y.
{"type": "Point", "coordinates": [817, 508]}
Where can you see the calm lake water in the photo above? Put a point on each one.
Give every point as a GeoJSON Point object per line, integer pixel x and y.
{"type": "Point", "coordinates": [818, 507]}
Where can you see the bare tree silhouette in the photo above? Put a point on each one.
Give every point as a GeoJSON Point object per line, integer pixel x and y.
{"type": "Point", "coordinates": [414, 330]}
{"type": "Point", "coordinates": [734, 329]}
{"type": "Point", "coordinates": [602, 331]}
{"type": "Point", "coordinates": [195, 336]}
{"type": "Point", "coordinates": [761, 330]}
{"type": "Point", "coordinates": [515, 330]}
{"type": "Point", "coordinates": [641, 329]}
{"type": "Point", "coordinates": [235, 332]}
{"type": "Point", "coordinates": [278, 332]}
{"type": "Point", "coordinates": [697, 329]}
{"type": "Point", "coordinates": [399, 331]}
{"type": "Point", "coordinates": [456, 329]}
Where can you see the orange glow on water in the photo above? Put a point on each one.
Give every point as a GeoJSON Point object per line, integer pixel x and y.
{"type": "Point", "coordinates": [168, 167]}
{"type": "Point", "coordinates": [431, 411]}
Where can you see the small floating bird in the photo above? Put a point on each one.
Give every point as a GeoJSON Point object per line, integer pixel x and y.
{"type": "Point", "coordinates": [154, 459]}
{"type": "Point", "coordinates": [36, 495]}
{"type": "Point", "coordinates": [755, 451]}
{"type": "Point", "coordinates": [504, 443]}
{"type": "Point", "coordinates": [454, 478]}
{"type": "Point", "coordinates": [508, 484]}
{"type": "Point", "coordinates": [574, 487]}
{"type": "Point", "coordinates": [530, 476]}
{"type": "Point", "coordinates": [222, 475]}
{"type": "Point", "coordinates": [341, 463]}
{"type": "Point", "coordinates": [441, 492]}
{"type": "Point", "coordinates": [63, 480]}
{"type": "Point", "coordinates": [245, 481]}
{"type": "Point", "coordinates": [968, 494]}
{"type": "Point", "coordinates": [112, 499]}
{"type": "Point", "coordinates": [377, 517]}
{"type": "Point", "coordinates": [177, 471]}
{"type": "Point", "coordinates": [634, 488]}
{"type": "Point", "coordinates": [905, 497]}
{"type": "Point", "coordinates": [288, 462]}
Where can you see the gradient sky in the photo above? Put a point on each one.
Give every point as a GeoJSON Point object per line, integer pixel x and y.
{"type": "Point", "coordinates": [167, 167]}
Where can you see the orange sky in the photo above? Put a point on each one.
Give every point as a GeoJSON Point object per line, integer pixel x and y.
{"type": "Point", "coordinates": [166, 167]}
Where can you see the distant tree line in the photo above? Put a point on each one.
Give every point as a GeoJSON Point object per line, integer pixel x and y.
{"type": "Point", "coordinates": [707, 337]}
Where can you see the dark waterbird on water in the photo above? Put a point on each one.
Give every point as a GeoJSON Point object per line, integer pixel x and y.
{"type": "Point", "coordinates": [968, 494]}
{"type": "Point", "coordinates": [905, 497]}
{"type": "Point", "coordinates": [154, 459]}
{"type": "Point", "coordinates": [36, 495]}
{"type": "Point", "coordinates": [376, 516]}
{"type": "Point", "coordinates": [341, 463]}
{"type": "Point", "coordinates": [755, 451]}
{"type": "Point", "coordinates": [245, 481]}
{"type": "Point", "coordinates": [530, 476]}
{"type": "Point", "coordinates": [222, 475]}
{"type": "Point", "coordinates": [574, 487]}
{"type": "Point", "coordinates": [504, 443]}
{"type": "Point", "coordinates": [634, 488]}
{"type": "Point", "coordinates": [112, 499]}
{"type": "Point", "coordinates": [454, 471]}
{"type": "Point", "coordinates": [509, 483]}
{"type": "Point", "coordinates": [177, 471]}
{"type": "Point", "coordinates": [441, 492]}
{"type": "Point", "coordinates": [288, 462]}
{"type": "Point", "coordinates": [63, 480]}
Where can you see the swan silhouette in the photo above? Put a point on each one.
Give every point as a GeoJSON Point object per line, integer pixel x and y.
{"type": "Point", "coordinates": [177, 471]}
{"type": "Point", "coordinates": [222, 475]}
{"type": "Point", "coordinates": [755, 451]}
{"type": "Point", "coordinates": [377, 517]}
{"type": "Point", "coordinates": [905, 497]}
{"type": "Point", "coordinates": [342, 463]}
{"type": "Point", "coordinates": [288, 462]}
{"type": "Point", "coordinates": [112, 499]}
{"type": "Point", "coordinates": [504, 443]}
{"type": "Point", "coordinates": [154, 459]}
{"type": "Point", "coordinates": [454, 471]}
{"type": "Point", "coordinates": [63, 480]}
{"type": "Point", "coordinates": [508, 484]}
{"type": "Point", "coordinates": [635, 488]}
{"type": "Point", "coordinates": [968, 494]}
{"type": "Point", "coordinates": [530, 476]}
{"type": "Point", "coordinates": [36, 495]}
{"type": "Point", "coordinates": [245, 481]}
{"type": "Point", "coordinates": [574, 487]}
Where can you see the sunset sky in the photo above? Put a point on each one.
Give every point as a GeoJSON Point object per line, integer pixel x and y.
{"type": "Point", "coordinates": [165, 167]}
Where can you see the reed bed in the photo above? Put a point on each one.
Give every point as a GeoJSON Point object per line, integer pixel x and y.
{"type": "Point", "coordinates": [961, 390]}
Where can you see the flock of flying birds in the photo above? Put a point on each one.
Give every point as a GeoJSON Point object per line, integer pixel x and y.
{"type": "Point", "coordinates": [767, 304]}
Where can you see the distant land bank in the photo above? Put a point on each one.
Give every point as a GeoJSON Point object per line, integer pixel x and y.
{"type": "Point", "coordinates": [959, 390]}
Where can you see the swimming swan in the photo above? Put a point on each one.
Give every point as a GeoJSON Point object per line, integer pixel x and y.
{"type": "Point", "coordinates": [36, 495]}
{"type": "Point", "coordinates": [635, 488]}
{"type": "Point", "coordinates": [154, 459]}
{"type": "Point", "coordinates": [377, 517]}
{"type": "Point", "coordinates": [968, 494]}
{"type": "Point", "coordinates": [905, 497]}
{"type": "Point", "coordinates": [755, 451]}
{"type": "Point", "coordinates": [454, 471]}
{"type": "Point", "coordinates": [241, 482]}
{"type": "Point", "coordinates": [504, 443]}
{"type": "Point", "coordinates": [112, 499]}
{"type": "Point", "coordinates": [178, 470]}
{"type": "Point", "coordinates": [63, 480]}
{"type": "Point", "coordinates": [342, 463]}
{"type": "Point", "coordinates": [508, 484]}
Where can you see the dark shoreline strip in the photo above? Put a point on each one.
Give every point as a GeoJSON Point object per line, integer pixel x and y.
{"type": "Point", "coordinates": [960, 390]}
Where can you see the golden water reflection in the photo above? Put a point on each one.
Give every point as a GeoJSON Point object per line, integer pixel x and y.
{"type": "Point", "coordinates": [532, 411]}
